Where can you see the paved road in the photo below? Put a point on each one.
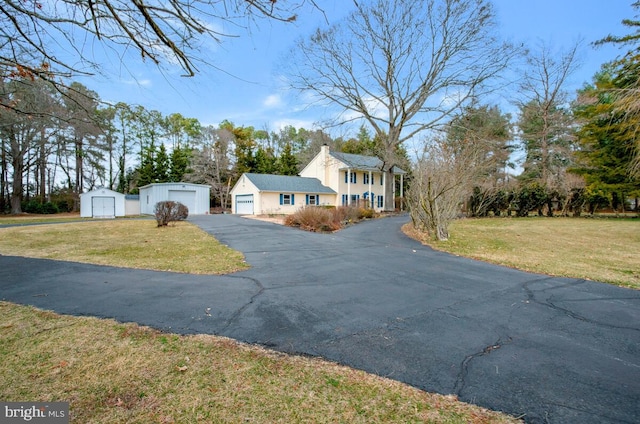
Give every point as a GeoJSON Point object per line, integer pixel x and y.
{"type": "Point", "coordinates": [550, 349]}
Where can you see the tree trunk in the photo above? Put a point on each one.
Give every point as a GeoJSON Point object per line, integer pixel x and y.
{"type": "Point", "coordinates": [3, 178]}
{"type": "Point", "coordinates": [389, 191]}
{"type": "Point", "coordinates": [16, 186]}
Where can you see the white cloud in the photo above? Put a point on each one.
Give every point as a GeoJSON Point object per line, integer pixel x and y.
{"type": "Point", "coordinates": [272, 101]}
{"type": "Point", "coordinates": [140, 82]}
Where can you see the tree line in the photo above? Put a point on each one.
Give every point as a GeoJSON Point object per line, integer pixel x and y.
{"type": "Point", "coordinates": [56, 145]}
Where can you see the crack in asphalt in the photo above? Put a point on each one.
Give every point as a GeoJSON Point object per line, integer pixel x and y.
{"type": "Point", "coordinates": [240, 310]}
{"type": "Point", "coordinates": [531, 296]}
{"type": "Point", "coordinates": [464, 366]}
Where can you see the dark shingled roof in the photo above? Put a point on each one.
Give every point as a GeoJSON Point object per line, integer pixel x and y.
{"type": "Point", "coordinates": [363, 163]}
{"type": "Point", "coordinates": [286, 183]}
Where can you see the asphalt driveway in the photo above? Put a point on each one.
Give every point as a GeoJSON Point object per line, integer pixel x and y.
{"type": "Point", "coordinates": [547, 349]}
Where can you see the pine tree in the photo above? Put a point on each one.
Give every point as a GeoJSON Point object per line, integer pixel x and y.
{"type": "Point", "coordinates": [287, 162]}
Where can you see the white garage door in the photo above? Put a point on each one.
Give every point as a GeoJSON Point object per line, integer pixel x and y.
{"type": "Point", "coordinates": [244, 204]}
{"type": "Point", "coordinates": [103, 207]}
{"type": "Point", "coordinates": [186, 197]}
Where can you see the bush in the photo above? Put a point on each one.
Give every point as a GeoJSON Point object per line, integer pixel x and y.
{"type": "Point", "coordinates": [321, 219]}
{"type": "Point", "coordinates": [35, 206]}
{"type": "Point", "coordinates": [168, 211]}
{"type": "Point", "coordinates": [313, 218]}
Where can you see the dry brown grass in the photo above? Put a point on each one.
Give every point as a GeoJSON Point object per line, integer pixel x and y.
{"type": "Point", "coordinates": [116, 373]}
{"type": "Point", "coordinates": [182, 247]}
{"type": "Point", "coordinates": [606, 250]}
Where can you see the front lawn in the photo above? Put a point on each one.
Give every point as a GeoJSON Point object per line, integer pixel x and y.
{"type": "Point", "coordinates": [124, 373]}
{"type": "Point", "coordinates": [600, 249]}
{"type": "Point", "coordinates": [179, 247]}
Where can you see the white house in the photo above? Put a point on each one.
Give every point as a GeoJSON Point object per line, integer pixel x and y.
{"type": "Point", "coordinates": [352, 177]}
{"type": "Point", "coordinates": [193, 196]}
{"type": "Point", "coordinates": [331, 178]}
{"type": "Point", "coordinates": [263, 194]}
{"type": "Point", "coordinates": [102, 203]}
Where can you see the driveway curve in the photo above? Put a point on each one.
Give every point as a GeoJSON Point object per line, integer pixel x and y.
{"type": "Point", "coordinates": [551, 350]}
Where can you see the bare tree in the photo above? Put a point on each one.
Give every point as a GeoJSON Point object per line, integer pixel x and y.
{"type": "Point", "coordinates": [211, 164]}
{"type": "Point", "coordinates": [35, 35]}
{"type": "Point", "coordinates": [546, 123]}
{"type": "Point", "coordinates": [442, 180]}
{"type": "Point", "coordinates": [402, 66]}
{"type": "Point", "coordinates": [23, 132]}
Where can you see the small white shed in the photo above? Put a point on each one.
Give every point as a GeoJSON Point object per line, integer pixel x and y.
{"type": "Point", "coordinates": [102, 203]}
{"type": "Point", "coordinates": [193, 196]}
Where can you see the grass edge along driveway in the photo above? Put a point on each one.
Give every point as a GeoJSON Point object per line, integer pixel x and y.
{"type": "Point", "coordinates": [598, 249]}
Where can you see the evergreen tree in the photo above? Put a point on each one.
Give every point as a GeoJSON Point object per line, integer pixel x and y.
{"type": "Point", "coordinates": [265, 161]}
{"type": "Point", "coordinates": [287, 162]}
{"type": "Point", "coordinates": [161, 165]}
{"type": "Point", "coordinates": [606, 138]}
{"type": "Point", "coordinates": [180, 161]}
{"type": "Point", "coordinates": [147, 168]}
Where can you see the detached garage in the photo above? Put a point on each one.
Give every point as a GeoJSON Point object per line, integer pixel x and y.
{"type": "Point", "coordinates": [193, 196]}
{"type": "Point", "coordinates": [102, 203]}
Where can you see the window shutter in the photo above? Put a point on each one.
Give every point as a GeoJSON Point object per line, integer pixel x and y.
{"type": "Point", "coordinates": [306, 198]}
{"type": "Point", "coordinates": [346, 176]}
{"type": "Point", "coordinates": [281, 198]}
{"type": "Point", "coordinates": [293, 202]}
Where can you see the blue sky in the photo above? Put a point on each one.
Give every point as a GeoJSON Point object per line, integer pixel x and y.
{"type": "Point", "coordinates": [248, 91]}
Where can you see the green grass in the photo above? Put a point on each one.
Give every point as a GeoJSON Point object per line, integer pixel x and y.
{"type": "Point", "coordinates": [600, 249]}
{"type": "Point", "coordinates": [124, 373]}
{"type": "Point", "coordinates": [180, 247]}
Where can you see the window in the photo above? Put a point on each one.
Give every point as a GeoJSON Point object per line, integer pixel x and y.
{"type": "Point", "coordinates": [355, 198]}
{"type": "Point", "coordinates": [350, 177]}
{"type": "Point", "coordinates": [380, 201]}
{"type": "Point", "coordinates": [365, 178]}
{"type": "Point", "coordinates": [312, 199]}
{"type": "Point", "coordinates": [344, 199]}
{"type": "Point", "coordinates": [287, 199]}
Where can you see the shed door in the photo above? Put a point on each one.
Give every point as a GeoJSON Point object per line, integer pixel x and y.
{"type": "Point", "coordinates": [103, 207]}
{"type": "Point", "coordinates": [244, 204]}
{"type": "Point", "coordinates": [186, 197]}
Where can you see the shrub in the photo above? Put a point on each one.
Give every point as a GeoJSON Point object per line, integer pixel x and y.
{"type": "Point", "coordinates": [168, 211]}
{"type": "Point", "coordinates": [366, 213]}
{"type": "Point", "coordinates": [35, 206]}
{"type": "Point", "coordinates": [313, 218]}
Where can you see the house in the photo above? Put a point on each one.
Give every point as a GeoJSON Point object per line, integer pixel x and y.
{"type": "Point", "coordinates": [263, 194]}
{"type": "Point", "coordinates": [193, 196]}
{"type": "Point", "coordinates": [331, 178]}
{"type": "Point", "coordinates": [352, 177]}
{"type": "Point", "coordinates": [102, 203]}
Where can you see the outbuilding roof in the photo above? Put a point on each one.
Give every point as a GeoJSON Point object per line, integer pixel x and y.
{"type": "Point", "coordinates": [286, 183]}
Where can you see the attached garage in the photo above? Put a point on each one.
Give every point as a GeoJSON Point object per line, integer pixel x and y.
{"type": "Point", "coordinates": [263, 194]}
{"type": "Point", "coordinates": [193, 196]}
{"type": "Point", "coordinates": [102, 203]}
{"type": "Point", "coordinates": [244, 204]}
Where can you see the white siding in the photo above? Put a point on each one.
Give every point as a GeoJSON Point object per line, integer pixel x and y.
{"type": "Point", "coordinates": [194, 196]}
{"type": "Point", "coordinates": [104, 198]}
